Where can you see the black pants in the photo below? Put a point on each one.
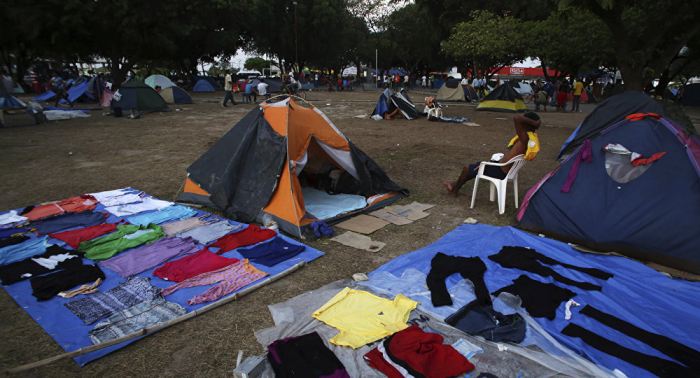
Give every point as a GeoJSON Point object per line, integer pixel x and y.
{"type": "Point", "coordinates": [443, 266]}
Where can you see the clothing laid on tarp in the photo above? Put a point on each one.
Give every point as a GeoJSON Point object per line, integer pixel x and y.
{"type": "Point", "coordinates": [540, 299]}
{"type": "Point", "coordinates": [686, 355]}
{"type": "Point", "coordinates": [14, 231]}
{"type": "Point", "coordinates": [20, 251]}
{"type": "Point", "coordinates": [136, 318]}
{"type": "Point", "coordinates": [172, 229]}
{"type": "Point", "coordinates": [146, 204]}
{"type": "Point", "coordinates": [127, 237]}
{"type": "Point", "coordinates": [170, 213]}
{"type": "Point", "coordinates": [68, 205]}
{"type": "Point", "coordinates": [192, 265]}
{"type": "Point", "coordinates": [421, 354]}
{"type": "Point", "coordinates": [150, 256]}
{"type": "Point", "coordinates": [36, 265]}
{"type": "Point", "coordinates": [443, 266]}
{"type": "Point", "coordinates": [126, 294]}
{"type": "Point", "coordinates": [304, 356]}
{"type": "Point", "coordinates": [229, 279]}
{"type": "Point", "coordinates": [530, 260]}
{"type": "Point", "coordinates": [657, 365]}
{"type": "Point", "coordinates": [12, 240]}
{"type": "Point", "coordinates": [68, 220]}
{"type": "Point", "coordinates": [208, 233]}
{"type": "Point", "coordinates": [248, 236]}
{"type": "Point", "coordinates": [363, 318]}
{"type": "Point", "coordinates": [482, 320]}
{"type": "Point", "coordinates": [74, 237]}
{"type": "Point", "coordinates": [272, 252]}
{"type": "Point", "coordinates": [48, 286]}
{"type": "Point", "coordinates": [12, 217]}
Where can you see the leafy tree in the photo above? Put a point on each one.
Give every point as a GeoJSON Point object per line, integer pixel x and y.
{"type": "Point", "coordinates": [572, 41]}
{"type": "Point", "coordinates": [647, 34]}
{"type": "Point", "coordinates": [405, 42]}
{"type": "Point", "coordinates": [321, 33]}
{"type": "Point", "coordinates": [684, 66]}
{"type": "Point", "coordinates": [487, 43]}
{"type": "Point", "coordinates": [256, 63]}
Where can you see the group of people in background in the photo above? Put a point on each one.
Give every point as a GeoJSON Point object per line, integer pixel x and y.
{"type": "Point", "coordinates": [556, 94]}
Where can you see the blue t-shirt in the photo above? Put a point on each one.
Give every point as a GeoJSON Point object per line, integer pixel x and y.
{"type": "Point", "coordinates": [249, 88]}
{"type": "Point", "coordinates": [57, 82]}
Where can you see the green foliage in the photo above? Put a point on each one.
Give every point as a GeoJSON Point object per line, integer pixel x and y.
{"type": "Point", "coordinates": [647, 34]}
{"type": "Point", "coordinates": [257, 64]}
{"type": "Point", "coordinates": [488, 42]}
{"type": "Point", "coordinates": [317, 33]}
{"type": "Point", "coordinates": [571, 41]}
{"type": "Point", "coordinates": [404, 42]}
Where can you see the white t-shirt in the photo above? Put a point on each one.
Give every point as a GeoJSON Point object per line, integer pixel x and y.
{"type": "Point", "coordinates": [291, 74]}
{"type": "Point", "coordinates": [316, 77]}
{"type": "Point", "coordinates": [476, 83]}
{"type": "Point", "coordinates": [262, 89]}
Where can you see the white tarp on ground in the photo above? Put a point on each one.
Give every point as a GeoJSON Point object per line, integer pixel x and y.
{"type": "Point", "coordinates": [293, 318]}
{"type": "Point", "coordinates": [58, 115]}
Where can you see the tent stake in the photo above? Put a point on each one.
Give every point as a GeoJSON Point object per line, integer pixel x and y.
{"type": "Point", "coordinates": [158, 327]}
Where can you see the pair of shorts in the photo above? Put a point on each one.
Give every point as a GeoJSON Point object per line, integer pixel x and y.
{"type": "Point", "coordinates": [489, 170]}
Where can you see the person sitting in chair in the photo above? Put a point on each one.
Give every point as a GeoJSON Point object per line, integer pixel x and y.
{"type": "Point", "coordinates": [525, 127]}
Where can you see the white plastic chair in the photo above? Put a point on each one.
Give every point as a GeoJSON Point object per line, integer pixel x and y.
{"type": "Point", "coordinates": [500, 185]}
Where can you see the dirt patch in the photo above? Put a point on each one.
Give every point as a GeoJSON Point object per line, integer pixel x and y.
{"type": "Point", "coordinates": [60, 159]}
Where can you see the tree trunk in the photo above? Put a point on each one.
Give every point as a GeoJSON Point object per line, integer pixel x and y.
{"type": "Point", "coordinates": [633, 77]}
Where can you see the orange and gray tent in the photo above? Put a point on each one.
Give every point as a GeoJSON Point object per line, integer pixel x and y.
{"type": "Point", "coordinates": [503, 99]}
{"type": "Point", "coordinates": [255, 168]}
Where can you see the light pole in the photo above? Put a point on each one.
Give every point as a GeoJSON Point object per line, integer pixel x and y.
{"type": "Point", "coordinates": [296, 42]}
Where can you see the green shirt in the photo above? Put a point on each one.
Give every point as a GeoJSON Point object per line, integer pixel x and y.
{"type": "Point", "coordinates": [127, 236]}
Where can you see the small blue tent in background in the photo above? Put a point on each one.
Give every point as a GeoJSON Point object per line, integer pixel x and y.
{"type": "Point", "coordinates": [203, 85]}
{"type": "Point", "coordinates": [616, 201]}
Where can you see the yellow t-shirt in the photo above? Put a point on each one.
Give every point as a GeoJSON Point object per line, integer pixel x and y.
{"type": "Point", "coordinates": [578, 88]}
{"type": "Point", "coordinates": [363, 318]}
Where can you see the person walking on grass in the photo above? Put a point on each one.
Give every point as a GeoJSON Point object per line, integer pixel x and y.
{"type": "Point", "coordinates": [228, 89]}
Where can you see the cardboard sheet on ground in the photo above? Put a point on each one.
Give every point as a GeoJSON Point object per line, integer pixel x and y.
{"type": "Point", "coordinates": [71, 333]}
{"type": "Point", "coordinates": [407, 212]}
{"type": "Point", "coordinates": [363, 224]}
{"type": "Point", "coordinates": [293, 318]}
{"type": "Point", "coordinates": [637, 293]}
{"type": "Point", "coordinates": [389, 217]}
{"type": "Point", "coordinates": [355, 240]}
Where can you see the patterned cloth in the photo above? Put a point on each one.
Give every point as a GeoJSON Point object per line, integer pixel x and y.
{"type": "Point", "coordinates": [136, 318]}
{"type": "Point", "coordinates": [124, 295]}
{"type": "Point", "coordinates": [231, 278]}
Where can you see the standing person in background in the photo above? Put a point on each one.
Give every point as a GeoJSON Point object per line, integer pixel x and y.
{"type": "Point", "coordinates": [8, 82]}
{"type": "Point", "coordinates": [57, 86]}
{"type": "Point", "coordinates": [476, 83]}
{"type": "Point", "coordinates": [228, 89]}
{"type": "Point", "coordinates": [262, 89]}
{"type": "Point", "coordinates": [316, 80]}
{"type": "Point", "coordinates": [424, 80]}
{"type": "Point", "coordinates": [578, 88]}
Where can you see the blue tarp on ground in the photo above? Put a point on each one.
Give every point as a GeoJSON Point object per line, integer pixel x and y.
{"type": "Point", "coordinates": [637, 293]}
{"type": "Point", "coordinates": [46, 96]}
{"type": "Point", "coordinates": [71, 333]}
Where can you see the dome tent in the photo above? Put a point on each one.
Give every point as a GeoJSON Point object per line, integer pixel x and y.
{"type": "Point", "coordinates": [175, 95]}
{"type": "Point", "coordinates": [161, 81]}
{"type": "Point", "coordinates": [139, 96]}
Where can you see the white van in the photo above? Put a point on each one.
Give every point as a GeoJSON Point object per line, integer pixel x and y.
{"type": "Point", "coordinates": [248, 74]}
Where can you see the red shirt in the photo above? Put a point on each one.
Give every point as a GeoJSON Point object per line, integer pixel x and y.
{"type": "Point", "coordinates": [561, 98]}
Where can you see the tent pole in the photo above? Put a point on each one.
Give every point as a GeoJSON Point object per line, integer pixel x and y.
{"type": "Point", "coordinates": [155, 328]}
